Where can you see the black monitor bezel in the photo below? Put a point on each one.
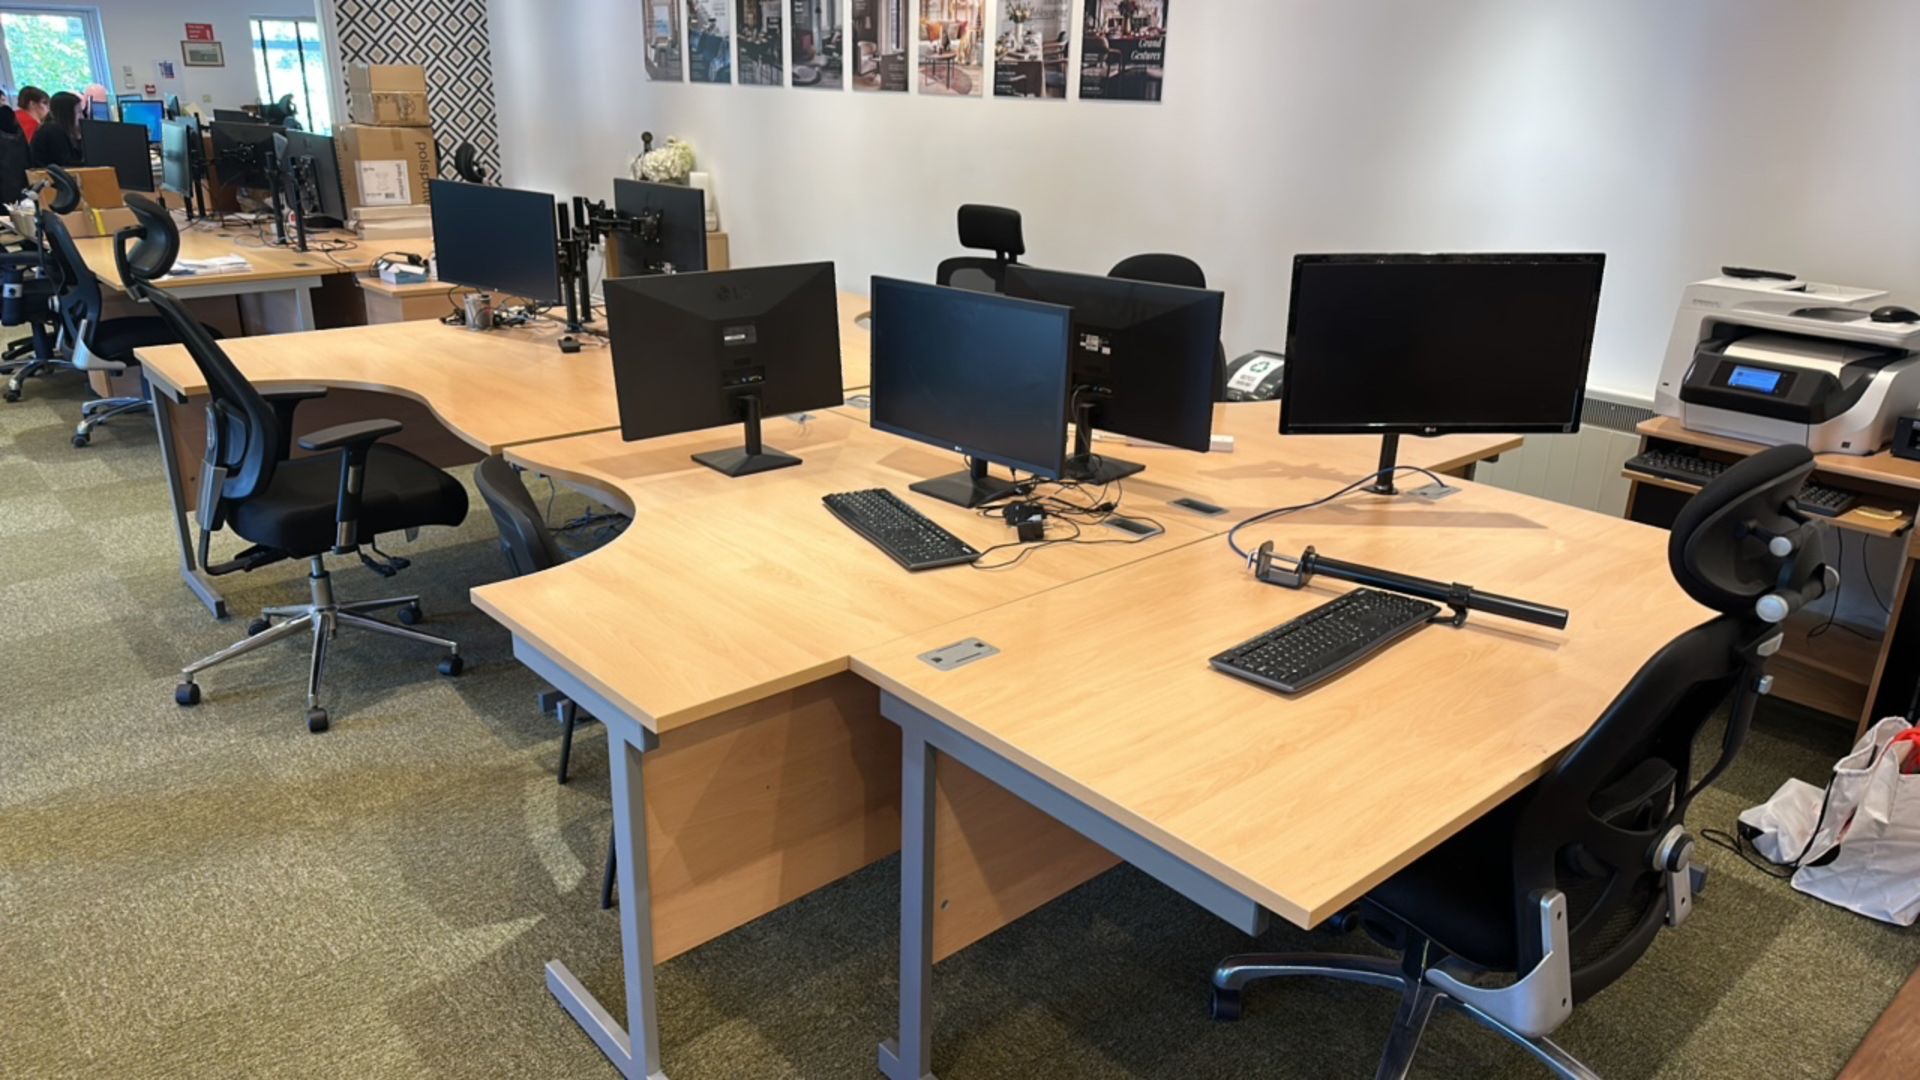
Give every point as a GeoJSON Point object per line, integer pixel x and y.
{"type": "Point", "coordinates": [1289, 427]}
{"type": "Point", "coordinates": [679, 205]}
{"type": "Point", "coordinates": [434, 203]}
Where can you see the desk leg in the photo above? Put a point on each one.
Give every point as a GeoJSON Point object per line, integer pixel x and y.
{"type": "Point", "coordinates": [303, 309]}
{"type": "Point", "coordinates": [910, 1057]}
{"type": "Point", "coordinates": [183, 532]}
{"type": "Point", "coordinates": [636, 1050]}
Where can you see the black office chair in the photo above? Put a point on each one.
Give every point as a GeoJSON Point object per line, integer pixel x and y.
{"type": "Point", "coordinates": [101, 344]}
{"type": "Point", "coordinates": [466, 164]}
{"type": "Point", "coordinates": [529, 548]}
{"type": "Point", "coordinates": [301, 508]}
{"type": "Point", "coordinates": [1162, 269]}
{"type": "Point", "coordinates": [1568, 882]}
{"type": "Point", "coordinates": [38, 281]}
{"type": "Point", "coordinates": [984, 228]}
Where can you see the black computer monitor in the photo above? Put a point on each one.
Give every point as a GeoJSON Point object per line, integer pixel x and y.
{"type": "Point", "coordinates": [309, 159]}
{"type": "Point", "coordinates": [1146, 362]}
{"type": "Point", "coordinates": [673, 231]}
{"type": "Point", "coordinates": [695, 351]}
{"type": "Point", "coordinates": [497, 239]}
{"type": "Point", "coordinates": [121, 147]}
{"type": "Point", "coordinates": [243, 153]}
{"type": "Point", "coordinates": [147, 113]}
{"type": "Point", "coordinates": [173, 107]}
{"type": "Point", "coordinates": [235, 116]}
{"type": "Point", "coordinates": [176, 156]}
{"type": "Point", "coordinates": [1433, 344]}
{"type": "Point", "coordinates": [985, 376]}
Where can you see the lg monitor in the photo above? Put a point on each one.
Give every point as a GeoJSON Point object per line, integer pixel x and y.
{"type": "Point", "coordinates": [497, 239]}
{"type": "Point", "coordinates": [1146, 362]}
{"type": "Point", "coordinates": [985, 376]}
{"type": "Point", "coordinates": [310, 162]}
{"type": "Point", "coordinates": [146, 113]}
{"type": "Point", "coordinates": [243, 154]}
{"type": "Point", "coordinates": [1431, 344]}
{"type": "Point", "coordinates": [671, 232]}
{"type": "Point", "coordinates": [121, 147]}
{"type": "Point", "coordinates": [696, 351]}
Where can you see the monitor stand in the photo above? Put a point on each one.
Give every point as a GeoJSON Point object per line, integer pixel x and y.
{"type": "Point", "coordinates": [751, 458]}
{"type": "Point", "coordinates": [1389, 458]}
{"type": "Point", "coordinates": [1086, 466]}
{"type": "Point", "coordinates": [969, 488]}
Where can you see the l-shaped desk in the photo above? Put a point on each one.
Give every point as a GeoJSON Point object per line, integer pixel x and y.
{"type": "Point", "coordinates": [758, 668]}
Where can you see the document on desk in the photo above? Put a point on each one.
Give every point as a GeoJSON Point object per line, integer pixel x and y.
{"type": "Point", "coordinates": [222, 264]}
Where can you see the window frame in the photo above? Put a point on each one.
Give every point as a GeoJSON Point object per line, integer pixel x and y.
{"type": "Point", "coordinates": [258, 54]}
{"type": "Point", "coordinates": [96, 45]}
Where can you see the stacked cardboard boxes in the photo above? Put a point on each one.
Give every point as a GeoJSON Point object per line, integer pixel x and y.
{"type": "Point", "coordinates": [103, 207]}
{"type": "Point", "coordinates": [387, 153]}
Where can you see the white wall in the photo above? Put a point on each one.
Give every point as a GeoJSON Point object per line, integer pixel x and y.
{"type": "Point", "coordinates": [1674, 136]}
{"type": "Point", "coordinates": [140, 32]}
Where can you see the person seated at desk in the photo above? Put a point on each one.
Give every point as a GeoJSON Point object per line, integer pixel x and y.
{"type": "Point", "coordinates": [95, 103]}
{"type": "Point", "coordinates": [31, 110]}
{"type": "Point", "coordinates": [57, 140]}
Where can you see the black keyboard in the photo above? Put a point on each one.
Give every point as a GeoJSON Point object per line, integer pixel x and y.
{"type": "Point", "coordinates": [899, 530]}
{"type": "Point", "coordinates": [1325, 641]}
{"type": "Point", "coordinates": [1694, 469]}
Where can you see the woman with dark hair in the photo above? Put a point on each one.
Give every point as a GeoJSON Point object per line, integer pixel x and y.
{"type": "Point", "coordinates": [57, 142]}
{"type": "Point", "coordinates": [10, 124]}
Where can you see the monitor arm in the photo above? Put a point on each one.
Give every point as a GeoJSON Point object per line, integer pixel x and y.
{"type": "Point", "coordinates": [1295, 573]}
{"type": "Point", "coordinates": [590, 224]}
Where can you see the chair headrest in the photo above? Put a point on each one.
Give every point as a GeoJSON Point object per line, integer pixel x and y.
{"type": "Point", "coordinates": [1161, 269]}
{"type": "Point", "coordinates": [1723, 546]}
{"type": "Point", "coordinates": [466, 164]}
{"type": "Point", "coordinates": [991, 228]}
{"type": "Point", "coordinates": [146, 251]}
{"type": "Point", "coordinates": [66, 190]}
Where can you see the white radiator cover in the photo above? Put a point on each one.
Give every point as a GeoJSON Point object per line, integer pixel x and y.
{"type": "Point", "coordinates": [1582, 469]}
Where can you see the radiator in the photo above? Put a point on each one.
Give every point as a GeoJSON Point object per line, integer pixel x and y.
{"type": "Point", "coordinates": [1582, 469]}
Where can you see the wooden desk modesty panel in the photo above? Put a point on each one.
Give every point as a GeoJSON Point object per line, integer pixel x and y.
{"type": "Point", "coordinates": [714, 637]}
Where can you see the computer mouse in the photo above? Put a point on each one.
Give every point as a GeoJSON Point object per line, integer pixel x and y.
{"type": "Point", "coordinates": [1895, 313]}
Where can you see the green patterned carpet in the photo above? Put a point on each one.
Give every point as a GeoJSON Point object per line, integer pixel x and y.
{"type": "Point", "coordinates": [215, 893]}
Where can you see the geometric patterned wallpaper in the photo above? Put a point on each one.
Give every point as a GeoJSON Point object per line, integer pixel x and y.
{"type": "Point", "coordinates": [449, 39]}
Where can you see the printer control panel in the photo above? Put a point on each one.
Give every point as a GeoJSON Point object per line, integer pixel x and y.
{"type": "Point", "coordinates": [1755, 380]}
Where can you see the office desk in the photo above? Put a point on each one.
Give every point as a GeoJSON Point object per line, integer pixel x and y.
{"type": "Point", "coordinates": [282, 278]}
{"type": "Point", "coordinates": [714, 637]}
{"type": "Point", "coordinates": [461, 394]}
{"type": "Point", "coordinates": [1247, 801]}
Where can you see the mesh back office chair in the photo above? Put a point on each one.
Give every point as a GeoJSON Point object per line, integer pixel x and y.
{"type": "Point", "coordinates": [984, 228]}
{"type": "Point", "coordinates": [1163, 269]}
{"type": "Point", "coordinates": [529, 547]}
{"type": "Point", "coordinates": [39, 281]}
{"type": "Point", "coordinates": [100, 344]}
{"type": "Point", "coordinates": [1568, 882]}
{"type": "Point", "coordinates": [298, 508]}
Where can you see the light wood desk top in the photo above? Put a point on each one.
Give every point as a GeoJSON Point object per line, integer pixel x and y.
{"type": "Point", "coordinates": [1304, 803]}
{"type": "Point", "coordinates": [270, 263]}
{"type": "Point", "coordinates": [726, 591]}
{"type": "Point", "coordinates": [493, 390]}
{"type": "Point", "coordinates": [749, 587]}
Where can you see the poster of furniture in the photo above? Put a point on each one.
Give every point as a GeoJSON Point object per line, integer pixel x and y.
{"type": "Point", "coordinates": [1030, 47]}
{"type": "Point", "coordinates": [818, 45]}
{"type": "Point", "coordinates": [762, 54]}
{"type": "Point", "coordinates": [880, 38]}
{"type": "Point", "coordinates": [1125, 50]}
{"type": "Point", "coordinates": [662, 21]}
{"type": "Point", "coordinates": [950, 47]}
{"type": "Point", "coordinates": [709, 41]}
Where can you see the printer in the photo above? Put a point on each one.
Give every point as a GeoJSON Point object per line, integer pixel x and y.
{"type": "Point", "coordinates": [1763, 356]}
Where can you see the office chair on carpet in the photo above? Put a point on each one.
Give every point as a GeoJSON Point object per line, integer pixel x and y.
{"type": "Point", "coordinates": [1568, 882]}
{"type": "Point", "coordinates": [529, 548]}
{"type": "Point", "coordinates": [293, 508]}
{"type": "Point", "coordinates": [39, 282]}
{"type": "Point", "coordinates": [984, 228]}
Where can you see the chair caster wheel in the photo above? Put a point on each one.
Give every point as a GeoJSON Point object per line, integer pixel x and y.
{"type": "Point", "coordinates": [452, 665]}
{"type": "Point", "coordinates": [258, 626]}
{"type": "Point", "coordinates": [186, 694]}
{"type": "Point", "coordinates": [411, 615]}
{"type": "Point", "coordinates": [80, 441]}
{"type": "Point", "coordinates": [12, 395]}
{"type": "Point", "coordinates": [1226, 1004]}
{"type": "Point", "coordinates": [316, 720]}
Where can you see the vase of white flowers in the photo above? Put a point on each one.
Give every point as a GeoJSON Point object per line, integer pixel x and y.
{"type": "Point", "coordinates": [671, 164]}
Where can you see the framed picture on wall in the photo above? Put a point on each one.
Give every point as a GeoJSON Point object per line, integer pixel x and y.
{"type": "Point", "coordinates": [203, 54]}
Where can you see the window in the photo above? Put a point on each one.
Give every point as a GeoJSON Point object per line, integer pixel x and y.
{"type": "Point", "coordinates": [287, 59]}
{"type": "Point", "coordinates": [53, 48]}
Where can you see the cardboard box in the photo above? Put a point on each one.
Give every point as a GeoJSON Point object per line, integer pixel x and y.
{"type": "Point", "coordinates": [99, 186]}
{"type": "Point", "coordinates": [386, 166]}
{"type": "Point", "coordinates": [82, 224]}
{"type": "Point", "coordinates": [392, 95]}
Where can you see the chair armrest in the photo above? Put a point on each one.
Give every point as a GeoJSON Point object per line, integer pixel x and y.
{"type": "Point", "coordinates": [284, 401]}
{"type": "Point", "coordinates": [355, 436]}
{"type": "Point", "coordinates": [357, 441]}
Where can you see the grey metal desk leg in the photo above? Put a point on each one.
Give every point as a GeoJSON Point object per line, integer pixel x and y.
{"type": "Point", "coordinates": [303, 308]}
{"type": "Point", "coordinates": [183, 533]}
{"type": "Point", "coordinates": [910, 1057]}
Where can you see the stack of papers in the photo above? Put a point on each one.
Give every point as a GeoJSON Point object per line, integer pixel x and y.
{"type": "Point", "coordinates": [224, 264]}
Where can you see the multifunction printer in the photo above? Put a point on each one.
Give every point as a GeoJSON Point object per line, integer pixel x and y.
{"type": "Point", "coordinates": [1766, 357]}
